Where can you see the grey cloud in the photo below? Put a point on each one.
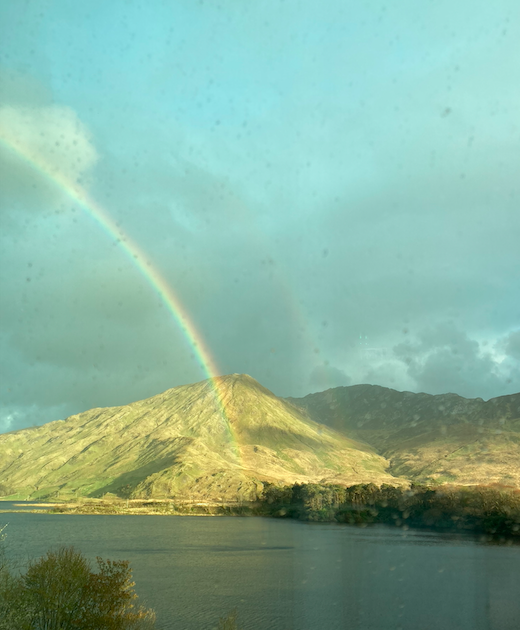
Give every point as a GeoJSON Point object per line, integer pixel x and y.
{"type": "Point", "coordinates": [20, 89]}
{"type": "Point", "coordinates": [129, 370]}
{"type": "Point", "coordinates": [512, 345]}
{"type": "Point", "coordinates": [444, 358]}
{"type": "Point", "coordinates": [75, 330]}
{"type": "Point", "coordinates": [13, 417]}
{"type": "Point", "coordinates": [326, 377]}
{"type": "Point", "coordinates": [398, 165]}
{"type": "Point", "coordinates": [36, 133]}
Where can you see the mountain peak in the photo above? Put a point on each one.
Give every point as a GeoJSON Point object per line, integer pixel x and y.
{"type": "Point", "coordinates": [219, 437]}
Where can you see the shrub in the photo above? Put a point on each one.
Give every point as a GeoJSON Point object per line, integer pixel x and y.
{"type": "Point", "coordinates": [12, 602]}
{"type": "Point", "coordinates": [61, 592]}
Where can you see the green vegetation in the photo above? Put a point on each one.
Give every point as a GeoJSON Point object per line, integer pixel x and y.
{"type": "Point", "coordinates": [179, 444]}
{"type": "Point", "coordinates": [491, 510]}
{"type": "Point", "coordinates": [485, 509]}
{"type": "Point", "coordinates": [182, 448]}
{"type": "Point", "coordinates": [271, 456]}
{"type": "Point", "coordinates": [61, 592]}
{"type": "Point", "coordinates": [155, 507]}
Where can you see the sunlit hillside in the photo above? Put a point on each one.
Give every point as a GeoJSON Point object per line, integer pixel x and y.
{"type": "Point", "coordinates": [195, 441]}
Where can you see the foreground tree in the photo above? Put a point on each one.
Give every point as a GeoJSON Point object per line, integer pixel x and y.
{"type": "Point", "coordinates": [61, 592]}
{"type": "Point", "coordinates": [12, 602]}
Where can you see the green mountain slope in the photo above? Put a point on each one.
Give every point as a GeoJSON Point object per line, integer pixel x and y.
{"type": "Point", "coordinates": [431, 439]}
{"type": "Point", "coordinates": [180, 444]}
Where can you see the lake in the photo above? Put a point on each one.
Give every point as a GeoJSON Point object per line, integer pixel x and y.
{"type": "Point", "coordinates": [289, 575]}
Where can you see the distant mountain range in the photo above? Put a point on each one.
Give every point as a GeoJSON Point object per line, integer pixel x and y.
{"type": "Point", "coordinates": [181, 444]}
{"type": "Point", "coordinates": [425, 438]}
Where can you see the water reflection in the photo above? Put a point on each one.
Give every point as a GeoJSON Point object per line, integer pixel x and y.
{"type": "Point", "coordinates": [287, 575]}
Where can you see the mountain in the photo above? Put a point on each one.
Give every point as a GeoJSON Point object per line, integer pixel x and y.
{"type": "Point", "coordinates": [426, 438]}
{"type": "Point", "coordinates": [180, 443]}
{"type": "Point", "coordinates": [189, 442]}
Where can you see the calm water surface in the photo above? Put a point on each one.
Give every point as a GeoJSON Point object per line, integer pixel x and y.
{"type": "Point", "coordinates": [285, 575]}
{"type": "Point", "coordinates": [21, 505]}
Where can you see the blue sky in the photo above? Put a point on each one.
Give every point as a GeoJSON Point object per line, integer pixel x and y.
{"type": "Point", "coordinates": [301, 173]}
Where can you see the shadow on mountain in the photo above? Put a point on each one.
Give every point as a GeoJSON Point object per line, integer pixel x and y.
{"type": "Point", "coordinates": [126, 483]}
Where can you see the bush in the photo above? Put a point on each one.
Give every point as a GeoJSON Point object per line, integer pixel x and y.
{"type": "Point", "coordinates": [12, 604]}
{"type": "Point", "coordinates": [61, 592]}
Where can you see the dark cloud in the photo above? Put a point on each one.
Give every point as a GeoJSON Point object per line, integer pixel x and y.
{"type": "Point", "coordinates": [292, 204]}
{"type": "Point", "coordinates": [444, 358]}
{"type": "Point", "coordinates": [326, 377]}
{"type": "Point", "coordinates": [512, 345]}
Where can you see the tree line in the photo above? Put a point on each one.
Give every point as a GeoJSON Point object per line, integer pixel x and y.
{"type": "Point", "coordinates": [486, 509]}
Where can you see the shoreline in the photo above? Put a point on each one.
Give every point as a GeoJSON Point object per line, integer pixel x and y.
{"type": "Point", "coordinates": [136, 507]}
{"type": "Point", "coordinates": [259, 510]}
{"type": "Point", "coordinates": [484, 537]}
{"type": "Point", "coordinates": [493, 512]}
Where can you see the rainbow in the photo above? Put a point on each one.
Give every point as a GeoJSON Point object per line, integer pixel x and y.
{"type": "Point", "coordinates": [172, 302]}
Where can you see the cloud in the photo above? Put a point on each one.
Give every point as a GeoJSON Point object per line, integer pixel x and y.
{"type": "Point", "coordinates": [512, 345]}
{"type": "Point", "coordinates": [292, 203]}
{"type": "Point", "coordinates": [445, 359]}
{"type": "Point", "coordinates": [38, 143]}
{"type": "Point", "coordinates": [20, 416]}
{"type": "Point", "coordinates": [73, 332]}
{"type": "Point", "coordinates": [135, 365]}
{"type": "Point", "coordinates": [20, 89]}
{"type": "Point", "coordinates": [326, 377]}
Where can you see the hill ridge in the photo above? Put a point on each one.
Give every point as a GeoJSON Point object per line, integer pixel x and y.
{"type": "Point", "coordinates": [430, 438]}
{"type": "Point", "coordinates": [179, 443]}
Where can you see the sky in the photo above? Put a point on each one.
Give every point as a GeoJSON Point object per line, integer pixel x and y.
{"type": "Point", "coordinates": [329, 191]}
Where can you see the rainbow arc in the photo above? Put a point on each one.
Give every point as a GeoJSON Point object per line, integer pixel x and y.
{"type": "Point", "coordinates": [138, 257]}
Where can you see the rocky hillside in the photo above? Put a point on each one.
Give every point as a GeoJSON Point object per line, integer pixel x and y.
{"type": "Point", "coordinates": [440, 439]}
{"type": "Point", "coordinates": [179, 443]}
